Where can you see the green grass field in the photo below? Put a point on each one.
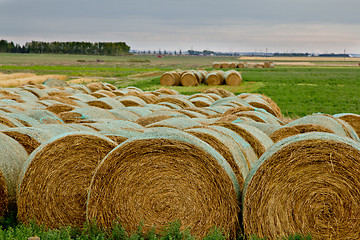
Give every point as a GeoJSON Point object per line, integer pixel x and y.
{"type": "Point", "coordinates": [298, 90]}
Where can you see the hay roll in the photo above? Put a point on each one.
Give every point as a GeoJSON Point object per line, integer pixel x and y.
{"type": "Point", "coordinates": [216, 65]}
{"type": "Point", "coordinates": [189, 79]}
{"type": "Point", "coordinates": [232, 78]}
{"type": "Point", "coordinates": [176, 122]}
{"type": "Point", "coordinates": [170, 79]}
{"type": "Point", "coordinates": [161, 176]}
{"type": "Point", "coordinates": [215, 78]}
{"type": "Point", "coordinates": [308, 184]}
{"type": "Point", "coordinates": [56, 178]}
{"type": "Point", "coordinates": [352, 119]}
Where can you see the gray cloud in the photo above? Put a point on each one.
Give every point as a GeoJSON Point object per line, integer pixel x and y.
{"type": "Point", "coordinates": [280, 25]}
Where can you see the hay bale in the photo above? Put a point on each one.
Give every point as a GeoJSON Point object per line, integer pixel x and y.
{"type": "Point", "coordinates": [352, 119]}
{"type": "Point", "coordinates": [131, 101]}
{"type": "Point", "coordinates": [144, 121]}
{"type": "Point", "coordinates": [23, 119]}
{"type": "Point", "coordinates": [225, 65]}
{"type": "Point", "coordinates": [227, 147]}
{"type": "Point", "coordinates": [59, 108]}
{"type": "Point", "coordinates": [36, 91]}
{"type": "Point", "coordinates": [233, 65]}
{"type": "Point", "coordinates": [235, 100]}
{"type": "Point", "coordinates": [170, 79]}
{"type": "Point", "coordinates": [269, 64]}
{"type": "Point", "coordinates": [153, 169]}
{"type": "Point", "coordinates": [10, 121]}
{"type": "Point", "coordinates": [125, 114]}
{"type": "Point", "coordinates": [53, 82]}
{"type": "Point", "coordinates": [258, 140]}
{"type": "Point", "coordinates": [83, 97]}
{"type": "Point", "coordinates": [170, 105]}
{"type": "Point", "coordinates": [176, 122]}
{"type": "Point", "coordinates": [95, 86]}
{"type": "Point", "coordinates": [260, 115]}
{"type": "Point", "coordinates": [216, 65]}
{"type": "Point", "coordinates": [264, 127]}
{"type": "Point", "coordinates": [262, 101]}
{"type": "Point", "coordinates": [140, 111]}
{"type": "Point", "coordinates": [106, 103]}
{"type": "Point", "coordinates": [220, 92]}
{"type": "Point", "coordinates": [242, 65]}
{"type": "Point", "coordinates": [43, 116]}
{"type": "Point", "coordinates": [181, 102]}
{"type": "Point", "coordinates": [287, 131]}
{"type": "Point", "coordinates": [111, 126]}
{"type": "Point", "coordinates": [307, 184]}
{"type": "Point", "coordinates": [215, 78]}
{"type": "Point", "coordinates": [56, 178]}
{"type": "Point", "coordinates": [191, 113]}
{"type": "Point", "coordinates": [12, 158]}
{"type": "Point", "coordinates": [232, 78]}
{"type": "Point", "coordinates": [165, 91]}
{"type": "Point", "coordinates": [189, 79]}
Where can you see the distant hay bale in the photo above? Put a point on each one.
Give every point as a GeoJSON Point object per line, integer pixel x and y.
{"type": "Point", "coordinates": [262, 116]}
{"type": "Point", "coordinates": [225, 65]}
{"type": "Point", "coordinates": [98, 94]}
{"type": "Point", "coordinates": [287, 131]}
{"type": "Point", "coordinates": [54, 82]}
{"type": "Point", "coordinates": [12, 158]}
{"type": "Point", "coordinates": [242, 65]}
{"type": "Point", "coordinates": [230, 101]}
{"type": "Point", "coordinates": [201, 102]}
{"type": "Point", "coordinates": [59, 195]}
{"type": "Point", "coordinates": [269, 64]}
{"type": "Point", "coordinates": [83, 97]}
{"type": "Point", "coordinates": [95, 86]}
{"type": "Point", "coordinates": [189, 79]}
{"type": "Point", "coordinates": [140, 111]}
{"type": "Point", "coordinates": [165, 91]}
{"type": "Point", "coordinates": [232, 78]}
{"type": "Point", "coordinates": [216, 65]}
{"type": "Point", "coordinates": [215, 78]}
{"type": "Point", "coordinates": [170, 173]}
{"type": "Point", "coordinates": [181, 102]}
{"type": "Point", "coordinates": [170, 79]}
{"type": "Point", "coordinates": [307, 184]}
{"type": "Point", "coordinates": [107, 93]}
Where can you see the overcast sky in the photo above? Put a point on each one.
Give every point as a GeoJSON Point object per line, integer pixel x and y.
{"type": "Point", "coordinates": [316, 26]}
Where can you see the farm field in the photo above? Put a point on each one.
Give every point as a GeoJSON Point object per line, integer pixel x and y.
{"type": "Point", "coordinates": [325, 86]}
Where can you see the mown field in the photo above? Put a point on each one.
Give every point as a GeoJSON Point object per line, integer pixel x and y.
{"type": "Point", "coordinates": [299, 90]}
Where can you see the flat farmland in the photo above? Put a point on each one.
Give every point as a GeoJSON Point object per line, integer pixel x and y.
{"type": "Point", "coordinates": [300, 86]}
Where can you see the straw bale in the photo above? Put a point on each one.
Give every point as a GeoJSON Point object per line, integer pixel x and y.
{"type": "Point", "coordinates": [59, 99]}
{"type": "Point", "coordinates": [170, 105]}
{"type": "Point", "coordinates": [216, 65]}
{"type": "Point", "coordinates": [232, 78]}
{"type": "Point", "coordinates": [170, 79]}
{"type": "Point", "coordinates": [220, 108]}
{"type": "Point", "coordinates": [260, 115]}
{"type": "Point", "coordinates": [144, 121]}
{"type": "Point", "coordinates": [189, 79]}
{"type": "Point", "coordinates": [219, 91]}
{"type": "Point", "coordinates": [55, 180]}
{"type": "Point", "coordinates": [147, 97]}
{"type": "Point", "coordinates": [269, 64]}
{"type": "Point", "coordinates": [115, 125]}
{"type": "Point", "coordinates": [231, 101]}
{"type": "Point", "coordinates": [106, 103]}
{"type": "Point", "coordinates": [239, 109]}
{"type": "Point", "coordinates": [201, 95]}
{"type": "Point", "coordinates": [227, 147]}
{"type": "Point", "coordinates": [214, 78]}
{"type": "Point", "coordinates": [59, 108]}
{"type": "Point", "coordinates": [172, 175]}
{"type": "Point", "coordinates": [202, 111]}
{"type": "Point", "coordinates": [129, 101]}
{"type": "Point", "coordinates": [92, 113]}
{"type": "Point", "coordinates": [155, 107]}
{"type": "Point", "coordinates": [95, 86]}
{"type": "Point", "coordinates": [233, 65]}
{"type": "Point", "coordinates": [98, 95]}
{"type": "Point", "coordinates": [262, 101]}
{"type": "Point", "coordinates": [132, 88]}
{"type": "Point", "coordinates": [110, 86]}
{"type": "Point", "coordinates": [352, 119]}
{"type": "Point", "coordinates": [176, 122]}
{"type": "Point", "coordinates": [28, 142]}
{"type": "Point", "coordinates": [241, 65]}
{"type": "Point", "coordinates": [12, 158]}
{"type": "Point", "coordinates": [106, 93]}
{"type": "Point", "coordinates": [258, 140]}
{"type": "Point", "coordinates": [43, 116]}
{"type": "Point", "coordinates": [81, 87]}
{"type": "Point", "coordinates": [308, 184]}
{"type": "Point", "coordinates": [119, 92]}
{"type": "Point", "coordinates": [83, 97]}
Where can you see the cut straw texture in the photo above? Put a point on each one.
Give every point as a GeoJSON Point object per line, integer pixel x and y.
{"type": "Point", "coordinates": [55, 179]}
{"type": "Point", "coordinates": [307, 184]}
{"type": "Point", "coordinates": [161, 176]}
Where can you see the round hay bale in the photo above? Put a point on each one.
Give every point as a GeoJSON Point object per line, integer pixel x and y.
{"type": "Point", "coordinates": [144, 121]}
{"type": "Point", "coordinates": [234, 100]}
{"type": "Point", "coordinates": [201, 102]}
{"type": "Point", "coordinates": [83, 97]}
{"type": "Point", "coordinates": [23, 119]}
{"type": "Point", "coordinates": [10, 121]}
{"type": "Point", "coordinates": [262, 101]}
{"type": "Point", "coordinates": [59, 108]}
{"type": "Point", "coordinates": [165, 91]}
{"type": "Point", "coordinates": [81, 87]}
{"type": "Point", "coordinates": [227, 147]}
{"type": "Point", "coordinates": [189, 79]}
{"type": "Point", "coordinates": [107, 93]}
{"type": "Point", "coordinates": [260, 115]}
{"type": "Point", "coordinates": [56, 178]}
{"type": "Point", "coordinates": [219, 91]}
{"type": "Point", "coordinates": [324, 120]}
{"type": "Point", "coordinates": [216, 65]}
{"type": "Point", "coordinates": [176, 122]}
{"type": "Point", "coordinates": [269, 64]}
{"type": "Point", "coordinates": [264, 127]}
{"type": "Point", "coordinates": [98, 94]}
{"type": "Point", "coordinates": [352, 119]}
{"type": "Point", "coordinates": [232, 78]}
{"type": "Point", "coordinates": [111, 126]}
{"type": "Point", "coordinates": [36, 91]}
{"type": "Point", "coordinates": [258, 140]}
{"type": "Point", "coordinates": [109, 86]}
{"type": "Point", "coordinates": [106, 103]}
{"type": "Point", "coordinates": [236, 110]}
{"type": "Point", "coordinates": [173, 175]}
{"type": "Point", "coordinates": [131, 101]}
{"type": "Point", "coordinates": [140, 111]}
{"type": "Point", "coordinates": [241, 65]}
{"type": "Point", "coordinates": [170, 105]}
{"type": "Point", "coordinates": [225, 65]}
{"type": "Point", "coordinates": [220, 108]}
{"type": "Point", "coordinates": [191, 114]}
{"type": "Point", "coordinates": [156, 107]}
{"type": "Point", "coordinates": [95, 86]}
{"type": "Point", "coordinates": [53, 82]}
{"type": "Point", "coordinates": [170, 79]}
{"type": "Point", "coordinates": [201, 95]}
{"type": "Point", "coordinates": [202, 111]}
{"type": "Point", "coordinates": [307, 184]}
{"type": "Point", "coordinates": [214, 78]}
{"type": "Point", "coordinates": [124, 114]}
{"type": "Point", "coordinates": [92, 113]}
{"type": "Point", "coordinates": [43, 116]}
{"type": "Point", "coordinates": [286, 131]}
{"type": "Point", "coordinates": [233, 65]}
{"type": "Point", "coordinates": [60, 99]}
{"type": "Point", "coordinates": [181, 102]}
{"type": "Point", "coordinates": [12, 158]}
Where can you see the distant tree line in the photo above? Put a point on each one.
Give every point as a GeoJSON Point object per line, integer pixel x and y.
{"type": "Point", "coordinates": [87, 48]}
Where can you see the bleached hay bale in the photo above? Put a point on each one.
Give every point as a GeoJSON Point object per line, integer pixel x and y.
{"type": "Point", "coordinates": [307, 184]}
{"type": "Point", "coordinates": [172, 175]}
{"type": "Point", "coordinates": [55, 179]}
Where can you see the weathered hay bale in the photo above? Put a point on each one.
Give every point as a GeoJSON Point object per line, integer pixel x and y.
{"type": "Point", "coordinates": [170, 79]}
{"type": "Point", "coordinates": [43, 116]}
{"type": "Point", "coordinates": [109, 126]}
{"type": "Point", "coordinates": [216, 65]}
{"type": "Point", "coordinates": [189, 79]}
{"type": "Point", "coordinates": [98, 94]}
{"type": "Point", "coordinates": [59, 100]}
{"type": "Point", "coordinates": [47, 182]}
{"type": "Point", "coordinates": [234, 100]}
{"type": "Point", "coordinates": [36, 91]}
{"type": "Point", "coordinates": [176, 122]}
{"type": "Point", "coordinates": [165, 91]}
{"type": "Point", "coordinates": [262, 101]}
{"type": "Point", "coordinates": [201, 102]}
{"type": "Point", "coordinates": [12, 158]}
{"type": "Point", "coordinates": [130, 101]}
{"type": "Point", "coordinates": [155, 107]}
{"type": "Point", "coordinates": [25, 95]}
{"type": "Point", "coordinates": [258, 140]}
{"type": "Point", "coordinates": [23, 119]}
{"type": "Point", "coordinates": [4, 94]}
{"type": "Point", "coordinates": [107, 93]}
{"type": "Point", "coordinates": [144, 121]}
{"type": "Point", "coordinates": [232, 78]}
{"type": "Point", "coordinates": [202, 111]}
{"type": "Point", "coordinates": [264, 127]}
{"type": "Point", "coordinates": [94, 113]}
{"type": "Point", "coordinates": [53, 82]}
{"type": "Point", "coordinates": [106, 103]}
{"type": "Point", "coordinates": [233, 119]}
{"type": "Point", "coordinates": [352, 119]}
{"type": "Point", "coordinates": [83, 97]}
{"type": "Point", "coordinates": [140, 111]}
{"type": "Point", "coordinates": [81, 87]}
{"type": "Point", "coordinates": [109, 86]}
{"type": "Point", "coordinates": [170, 105]}
{"type": "Point", "coordinates": [191, 114]}
{"type": "Point", "coordinates": [220, 108]}
{"type": "Point", "coordinates": [220, 92]}
{"type": "Point", "coordinates": [59, 108]}
{"type": "Point", "coordinates": [215, 78]}
{"type": "Point", "coordinates": [286, 131]}
{"type": "Point", "coordinates": [227, 147]}
{"type": "Point", "coordinates": [10, 121]}
{"type": "Point", "coordinates": [146, 96]}
{"type": "Point", "coordinates": [95, 86]}
{"type": "Point", "coordinates": [307, 184]}
{"type": "Point", "coordinates": [124, 114]}
{"type": "Point", "coordinates": [154, 169]}
{"type": "Point", "coordinates": [234, 111]}
{"type": "Point", "coordinates": [327, 121]}
{"type": "Point", "coordinates": [262, 116]}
